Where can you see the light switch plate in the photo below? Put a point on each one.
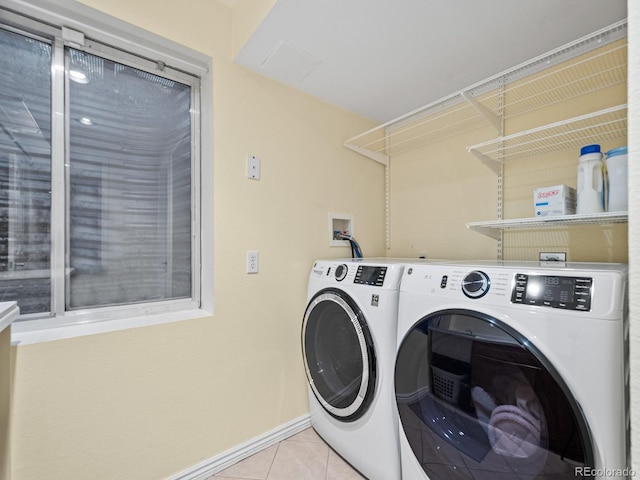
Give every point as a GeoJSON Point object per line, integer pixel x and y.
{"type": "Point", "coordinates": [253, 167]}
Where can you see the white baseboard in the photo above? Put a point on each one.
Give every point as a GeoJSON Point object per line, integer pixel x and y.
{"type": "Point", "coordinates": [218, 463]}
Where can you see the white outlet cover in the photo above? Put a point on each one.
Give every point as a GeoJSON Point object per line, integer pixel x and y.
{"type": "Point", "coordinates": [252, 261]}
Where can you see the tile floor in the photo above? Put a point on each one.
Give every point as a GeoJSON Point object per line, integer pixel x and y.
{"type": "Point", "coordinates": [304, 456]}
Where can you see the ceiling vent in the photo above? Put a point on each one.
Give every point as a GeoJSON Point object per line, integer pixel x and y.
{"type": "Point", "coordinates": [289, 64]}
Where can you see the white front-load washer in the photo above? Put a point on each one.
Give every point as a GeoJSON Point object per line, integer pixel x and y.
{"type": "Point", "coordinates": [512, 370]}
{"type": "Point", "coordinates": [349, 334]}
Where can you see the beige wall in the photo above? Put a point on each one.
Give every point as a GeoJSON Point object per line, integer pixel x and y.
{"type": "Point", "coordinates": [435, 191]}
{"type": "Point", "coordinates": [150, 402]}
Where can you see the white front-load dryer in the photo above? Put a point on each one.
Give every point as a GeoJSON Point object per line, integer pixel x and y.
{"type": "Point", "coordinates": [349, 343]}
{"type": "Point", "coordinates": [513, 371]}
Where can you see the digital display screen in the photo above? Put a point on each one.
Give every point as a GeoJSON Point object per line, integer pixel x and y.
{"type": "Point", "coordinates": [551, 289]}
{"type": "Point", "coordinates": [368, 275]}
{"type": "Point", "coordinates": [556, 291]}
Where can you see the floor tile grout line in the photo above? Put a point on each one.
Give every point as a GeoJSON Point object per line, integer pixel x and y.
{"type": "Point", "coordinates": [307, 441]}
{"type": "Point", "coordinates": [273, 460]}
{"type": "Point", "coordinates": [326, 464]}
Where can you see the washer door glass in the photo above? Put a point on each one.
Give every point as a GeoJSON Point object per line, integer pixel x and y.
{"type": "Point", "coordinates": [476, 400]}
{"type": "Point", "coordinates": [338, 354]}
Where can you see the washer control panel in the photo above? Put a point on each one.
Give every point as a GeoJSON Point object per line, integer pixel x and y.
{"type": "Point", "coordinates": [555, 291]}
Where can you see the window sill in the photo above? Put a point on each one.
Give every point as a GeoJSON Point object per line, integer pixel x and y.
{"type": "Point", "coordinates": [8, 313]}
{"type": "Point", "coordinates": [28, 332]}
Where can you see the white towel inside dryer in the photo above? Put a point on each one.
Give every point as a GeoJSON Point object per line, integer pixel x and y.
{"type": "Point", "coordinates": [516, 430]}
{"type": "Point", "coordinates": [484, 405]}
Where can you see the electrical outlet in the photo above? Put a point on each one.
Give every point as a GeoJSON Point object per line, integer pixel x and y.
{"type": "Point", "coordinates": [252, 261]}
{"type": "Point", "coordinates": [553, 256]}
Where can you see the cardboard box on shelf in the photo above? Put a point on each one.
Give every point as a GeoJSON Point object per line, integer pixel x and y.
{"type": "Point", "coordinates": [554, 200]}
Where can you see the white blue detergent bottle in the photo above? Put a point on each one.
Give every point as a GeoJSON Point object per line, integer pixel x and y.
{"type": "Point", "coordinates": [590, 190]}
{"type": "Point", "coordinates": [616, 164]}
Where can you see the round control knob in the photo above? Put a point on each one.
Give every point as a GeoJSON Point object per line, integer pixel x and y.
{"type": "Point", "coordinates": [476, 284]}
{"type": "Point", "coordinates": [341, 272]}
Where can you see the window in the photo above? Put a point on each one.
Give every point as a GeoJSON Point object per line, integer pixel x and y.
{"type": "Point", "coordinates": [99, 175]}
{"type": "Point", "coordinates": [25, 171]}
{"type": "Point", "coordinates": [129, 184]}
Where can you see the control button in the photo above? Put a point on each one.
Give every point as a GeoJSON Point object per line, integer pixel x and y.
{"type": "Point", "coordinates": [519, 288]}
{"type": "Point", "coordinates": [476, 284]}
{"type": "Point", "coordinates": [443, 282]}
{"type": "Point", "coordinates": [341, 272]}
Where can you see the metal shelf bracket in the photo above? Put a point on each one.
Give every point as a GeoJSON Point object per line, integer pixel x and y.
{"type": "Point", "coordinates": [378, 157]}
{"type": "Point", "coordinates": [496, 167]}
{"type": "Point", "coordinates": [492, 118]}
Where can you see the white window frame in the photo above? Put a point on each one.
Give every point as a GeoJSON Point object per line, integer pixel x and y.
{"type": "Point", "coordinates": [70, 23]}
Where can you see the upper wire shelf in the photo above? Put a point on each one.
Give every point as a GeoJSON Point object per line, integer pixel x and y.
{"type": "Point", "coordinates": [587, 65]}
{"type": "Point", "coordinates": [597, 127]}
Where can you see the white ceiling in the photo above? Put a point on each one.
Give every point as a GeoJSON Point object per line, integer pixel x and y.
{"type": "Point", "coordinates": [384, 58]}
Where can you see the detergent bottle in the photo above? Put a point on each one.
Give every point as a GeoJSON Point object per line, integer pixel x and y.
{"type": "Point", "coordinates": [616, 165]}
{"type": "Point", "coordinates": [590, 190]}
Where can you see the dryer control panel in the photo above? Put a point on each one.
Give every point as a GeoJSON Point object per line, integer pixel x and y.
{"type": "Point", "coordinates": [365, 274]}
{"type": "Point", "coordinates": [370, 275]}
{"type": "Point", "coordinates": [356, 273]}
{"type": "Point", "coordinates": [556, 291]}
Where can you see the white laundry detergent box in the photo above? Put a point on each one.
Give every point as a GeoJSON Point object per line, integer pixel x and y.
{"type": "Point", "coordinates": [554, 200]}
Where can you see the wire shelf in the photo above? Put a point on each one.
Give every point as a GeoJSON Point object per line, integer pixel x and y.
{"type": "Point", "coordinates": [587, 65]}
{"type": "Point", "coordinates": [598, 127]}
{"type": "Point", "coordinates": [494, 228]}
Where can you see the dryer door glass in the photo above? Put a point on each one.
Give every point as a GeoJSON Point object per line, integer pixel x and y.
{"type": "Point", "coordinates": [478, 401]}
{"type": "Point", "coordinates": [338, 354]}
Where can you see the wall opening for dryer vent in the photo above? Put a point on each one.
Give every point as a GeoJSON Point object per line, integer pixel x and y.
{"type": "Point", "coordinates": [340, 224]}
